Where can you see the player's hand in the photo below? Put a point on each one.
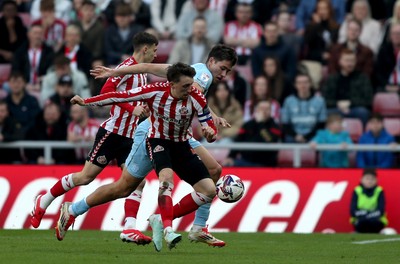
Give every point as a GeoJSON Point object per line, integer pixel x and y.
{"type": "Point", "coordinates": [77, 100]}
{"type": "Point", "coordinates": [209, 134]}
{"type": "Point", "coordinates": [139, 111]}
{"type": "Point", "coordinates": [220, 121]}
{"type": "Point", "coordinates": [101, 72]}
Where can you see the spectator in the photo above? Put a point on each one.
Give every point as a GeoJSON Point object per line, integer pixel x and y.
{"type": "Point", "coordinates": [260, 129]}
{"type": "Point", "coordinates": [10, 131]}
{"type": "Point", "coordinates": [63, 9]}
{"type": "Point", "coordinates": [79, 54]}
{"type": "Point", "coordinates": [118, 37]}
{"type": "Point", "coordinates": [238, 85]}
{"type": "Point", "coordinates": [33, 58]}
{"type": "Point", "coordinates": [349, 92]}
{"type": "Point", "coordinates": [273, 45]}
{"type": "Point", "coordinates": [164, 16]}
{"type": "Point", "coordinates": [371, 29]}
{"type": "Point", "coordinates": [12, 31]}
{"type": "Point", "coordinates": [320, 33]}
{"type": "Point", "coordinates": [226, 106]}
{"type": "Point", "coordinates": [376, 134]}
{"type": "Point", "coordinates": [50, 125]}
{"type": "Point", "coordinates": [387, 71]}
{"type": "Point", "coordinates": [395, 19]}
{"type": "Point", "coordinates": [62, 67]}
{"type": "Point", "coordinates": [367, 208]}
{"type": "Point", "coordinates": [81, 129]}
{"type": "Point", "coordinates": [261, 92]}
{"type": "Point", "coordinates": [63, 95]}
{"type": "Point", "coordinates": [333, 134]}
{"type": "Point", "coordinates": [215, 23]}
{"type": "Point", "coordinates": [22, 106]}
{"type": "Point", "coordinates": [304, 13]}
{"type": "Point", "coordinates": [194, 49]}
{"type": "Point", "coordinates": [54, 28]}
{"type": "Point", "coordinates": [277, 82]}
{"type": "Point", "coordinates": [138, 9]}
{"type": "Point", "coordinates": [92, 29]}
{"type": "Point", "coordinates": [303, 113]}
{"type": "Point", "coordinates": [380, 10]}
{"type": "Point", "coordinates": [262, 10]}
{"type": "Point", "coordinates": [283, 22]}
{"type": "Point", "coordinates": [243, 34]}
{"type": "Point", "coordinates": [364, 55]}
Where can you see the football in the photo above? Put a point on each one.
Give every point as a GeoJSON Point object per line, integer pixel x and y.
{"type": "Point", "coordinates": [230, 188]}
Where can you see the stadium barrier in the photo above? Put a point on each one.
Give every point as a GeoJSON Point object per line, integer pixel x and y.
{"type": "Point", "coordinates": [48, 146]}
{"type": "Point", "coordinates": [275, 200]}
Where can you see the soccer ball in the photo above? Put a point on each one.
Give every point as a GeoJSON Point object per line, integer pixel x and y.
{"type": "Point", "coordinates": [230, 188]}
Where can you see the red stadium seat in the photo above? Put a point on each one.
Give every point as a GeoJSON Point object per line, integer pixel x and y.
{"type": "Point", "coordinates": [163, 50]}
{"type": "Point", "coordinates": [219, 154]}
{"type": "Point", "coordinates": [245, 72]}
{"type": "Point", "coordinates": [387, 104]}
{"type": "Point", "coordinates": [308, 158]}
{"type": "Point", "coordinates": [5, 70]}
{"type": "Point", "coordinates": [354, 126]}
{"type": "Point", "coordinates": [26, 19]}
{"type": "Point", "coordinates": [392, 126]}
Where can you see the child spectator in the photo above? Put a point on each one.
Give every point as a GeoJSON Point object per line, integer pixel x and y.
{"type": "Point", "coordinates": [377, 134]}
{"type": "Point", "coordinates": [367, 208]}
{"type": "Point", "coordinates": [260, 92]}
{"type": "Point", "coordinates": [303, 113]}
{"type": "Point", "coordinates": [260, 129]}
{"type": "Point", "coordinates": [333, 134]}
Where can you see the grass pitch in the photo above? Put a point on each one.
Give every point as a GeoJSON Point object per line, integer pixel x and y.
{"type": "Point", "coordinates": [38, 246]}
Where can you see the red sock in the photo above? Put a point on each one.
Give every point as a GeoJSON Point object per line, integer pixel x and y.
{"type": "Point", "coordinates": [166, 210]}
{"type": "Point", "coordinates": [131, 208]}
{"type": "Point", "coordinates": [185, 206]}
{"type": "Point", "coordinates": [57, 189]}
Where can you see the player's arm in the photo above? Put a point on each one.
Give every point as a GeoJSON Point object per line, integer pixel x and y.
{"type": "Point", "coordinates": [152, 68]}
{"type": "Point", "coordinates": [209, 129]}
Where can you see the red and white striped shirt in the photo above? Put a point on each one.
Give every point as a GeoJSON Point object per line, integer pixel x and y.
{"type": "Point", "coordinates": [171, 118]}
{"type": "Point", "coordinates": [55, 33]}
{"type": "Point", "coordinates": [121, 120]}
{"type": "Point", "coordinates": [88, 132]}
{"type": "Point", "coordinates": [251, 30]}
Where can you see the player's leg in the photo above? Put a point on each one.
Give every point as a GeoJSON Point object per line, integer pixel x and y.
{"type": "Point", "coordinates": [106, 193]}
{"type": "Point", "coordinates": [101, 153]}
{"type": "Point", "coordinates": [199, 231]}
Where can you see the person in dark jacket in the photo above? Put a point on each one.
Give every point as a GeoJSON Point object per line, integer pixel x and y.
{"type": "Point", "coordinates": [367, 208]}
{"type": "Point", "coordinates": [260, 129]}
{"type": "Point", "coordinates": [377, 134]}
{"type": "Point", "coordinates": [10, 131]}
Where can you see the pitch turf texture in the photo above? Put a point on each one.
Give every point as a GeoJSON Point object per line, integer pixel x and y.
{"type": "Point", "coordinates": [38, 246]}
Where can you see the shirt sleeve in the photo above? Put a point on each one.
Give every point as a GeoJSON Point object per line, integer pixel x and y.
{"type": "Point", "coordinates": [203, 111]}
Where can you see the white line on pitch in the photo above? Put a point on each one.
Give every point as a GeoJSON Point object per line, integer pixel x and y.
{"type": "Point", "coordinates": [376, 241]}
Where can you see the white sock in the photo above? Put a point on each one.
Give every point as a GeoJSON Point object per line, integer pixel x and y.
{"type": "Point", "coordinates": [197, 228]}
{"type": "Point", "coordinates": [46, 200]}
{"type": "Point", "coordinates": [168, 230]}
{"type": "Point", "coordinates": [130, 223]}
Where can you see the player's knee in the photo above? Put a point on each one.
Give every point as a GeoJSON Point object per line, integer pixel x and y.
{"type": "Point", "coordinates": [215, 172]}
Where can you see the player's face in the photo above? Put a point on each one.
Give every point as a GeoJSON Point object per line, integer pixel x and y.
{"type": "Point", "coordinates": [181, 89]}
{"type": "Point", "coordinates": [368, 181]}
{"type": "Point", "coordinates": [219, 69]}
{"type": "Point", "coordinates": [150, 53]}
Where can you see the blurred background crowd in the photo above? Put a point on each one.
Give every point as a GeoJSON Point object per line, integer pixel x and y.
{"type": "Point", "coordinates": [309, 71]}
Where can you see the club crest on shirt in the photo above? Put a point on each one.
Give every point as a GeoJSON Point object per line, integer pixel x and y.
{"type": "Point", "coordinates": [102, 160]}
{"type": "Point", "coordinates": [205, 77]}
{"type": "Point", "coordinates": [183, 110]}
{"type": "Point", "coordinates": [158, 148]}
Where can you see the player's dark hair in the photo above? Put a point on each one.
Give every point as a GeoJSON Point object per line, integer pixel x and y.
{"type": "Point", "coordinates": [222, 52]}
{"type": "Point", "coordinates": [175, 71]}
{"type": "Point", "coordinates": [16, 75]}
{"type": "Point", "coordinates": [143, 38]}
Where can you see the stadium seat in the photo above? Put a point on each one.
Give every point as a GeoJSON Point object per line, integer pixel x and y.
{"type": "Point", "coordinates": [245, 72]}
{"type": "Point", "coordinates": [219, 154]}
{"type": "Point", "coordinates": [354, 126]}
{"type": "Point", "coordinates": [26, 19]}
{"type": "Point", "coordinates": [387, 104]}
{"type": "Point", "coordinates": [5, 70]}
{"type": "Point", "coordinates": [308, 158]}
{"type": "Point", "coordinates": [3, 94]}
{"type": "Point", "coordinates": [164, 49]}
{"type": "Point", "coordinates": [392, 126]}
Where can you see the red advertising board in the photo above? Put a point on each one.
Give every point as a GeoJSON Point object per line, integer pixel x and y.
{"type": "Point", "coordinates": [276, 200]}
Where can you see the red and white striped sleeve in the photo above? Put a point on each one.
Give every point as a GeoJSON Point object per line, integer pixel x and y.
{"type": "Point", "coordinates": [202, 109]}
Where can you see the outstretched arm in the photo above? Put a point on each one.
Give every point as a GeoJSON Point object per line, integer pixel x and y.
{"type": "Point", "coordinates": [152, 68]}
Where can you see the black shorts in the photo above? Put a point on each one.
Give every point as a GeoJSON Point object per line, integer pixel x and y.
{"type": "Point", "coordinates": [108, 146]}
{"type": "Point", "coordinates": [178, 156]}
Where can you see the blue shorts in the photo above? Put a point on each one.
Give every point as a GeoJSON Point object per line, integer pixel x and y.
{"type": "Point", "coordinates": [138, 162]}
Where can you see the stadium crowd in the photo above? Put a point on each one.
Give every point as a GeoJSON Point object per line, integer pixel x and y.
{"type": "Point", "coordinates": [309, 71]}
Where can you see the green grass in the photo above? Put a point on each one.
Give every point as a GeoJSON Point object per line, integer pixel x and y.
{"type": "Point", "coordinates": [34, 246]}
